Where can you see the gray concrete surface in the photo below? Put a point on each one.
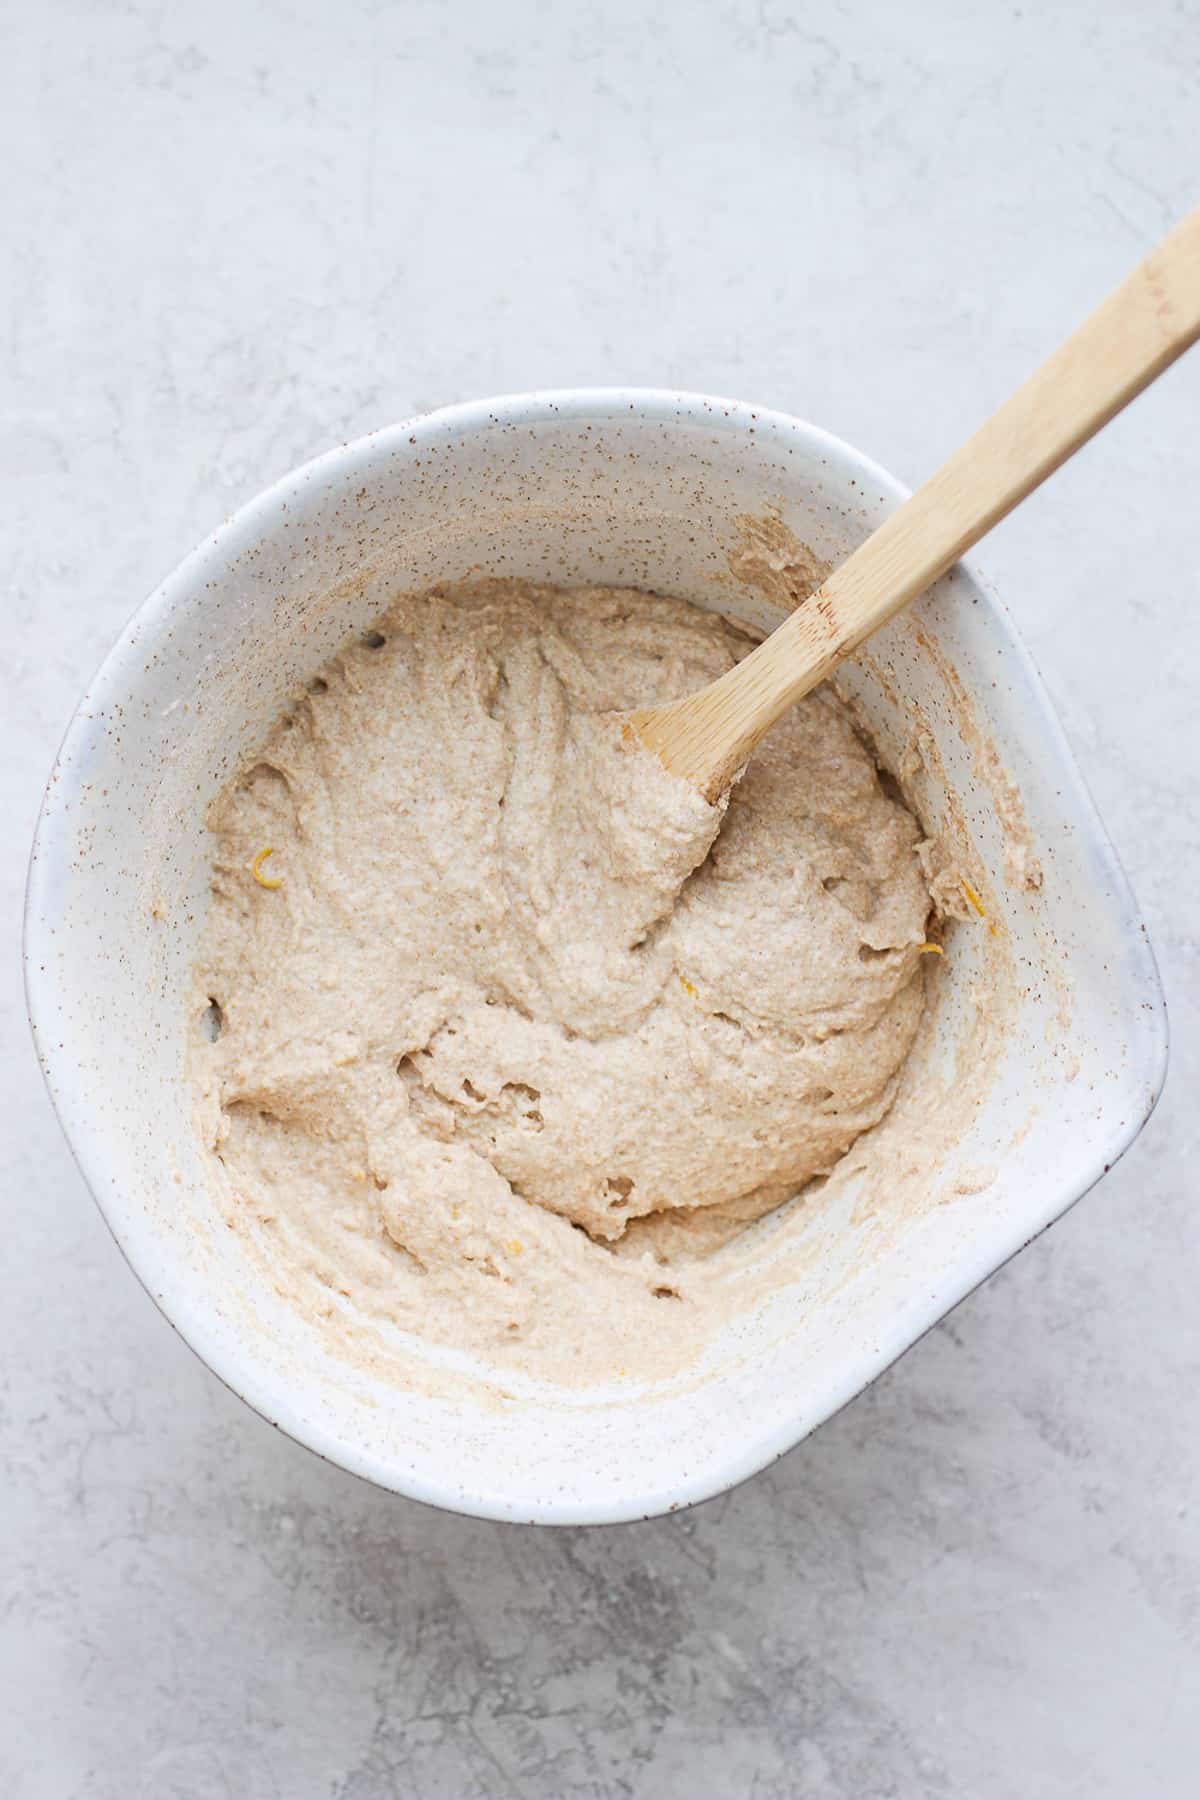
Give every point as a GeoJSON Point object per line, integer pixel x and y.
{"type": "Point", "coordinates": [235, 234]}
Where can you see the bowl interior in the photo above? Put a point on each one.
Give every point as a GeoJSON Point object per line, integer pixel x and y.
{"type": "Point", "coordinates": [1049, 1011]}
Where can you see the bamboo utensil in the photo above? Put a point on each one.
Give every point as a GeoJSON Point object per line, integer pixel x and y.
{"type": "Point", "coordinates": [1137, 332]}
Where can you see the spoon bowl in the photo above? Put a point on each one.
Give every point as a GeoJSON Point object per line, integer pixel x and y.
{"type": "Point", "coordinates": [1143, 326]}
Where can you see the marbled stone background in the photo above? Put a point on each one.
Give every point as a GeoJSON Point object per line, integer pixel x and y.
{"type": "Point", "coordinates": [233, 234]}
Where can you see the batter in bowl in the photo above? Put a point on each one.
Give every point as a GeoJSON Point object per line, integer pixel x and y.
{"type": "Point", "coordinates": [511, 1030]}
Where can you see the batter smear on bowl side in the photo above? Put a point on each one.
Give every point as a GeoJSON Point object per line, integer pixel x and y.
{"type": "Point", "coordinates": [505, 1029]}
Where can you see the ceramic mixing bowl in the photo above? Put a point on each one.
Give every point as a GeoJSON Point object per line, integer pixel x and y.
{"type": "Point", "coordinates": [646, 489]}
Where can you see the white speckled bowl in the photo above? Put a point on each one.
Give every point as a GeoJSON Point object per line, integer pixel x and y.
{"type": "Point", "coordinates": [628, 487]}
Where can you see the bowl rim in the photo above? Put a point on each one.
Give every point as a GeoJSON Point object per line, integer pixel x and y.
{"type": "Point", "coordinates": [51, 854]}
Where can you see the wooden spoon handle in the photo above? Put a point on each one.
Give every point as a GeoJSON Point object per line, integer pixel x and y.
{"type": "Point", "coordinates": [1131, 337]}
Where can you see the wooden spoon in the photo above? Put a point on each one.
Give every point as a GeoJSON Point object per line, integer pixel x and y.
{"type": "Point", "coordinates": [1131, 337]}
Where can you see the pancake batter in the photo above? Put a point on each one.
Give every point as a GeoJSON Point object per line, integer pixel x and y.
{"type": "Point", "coordinates": [510, 1028]}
